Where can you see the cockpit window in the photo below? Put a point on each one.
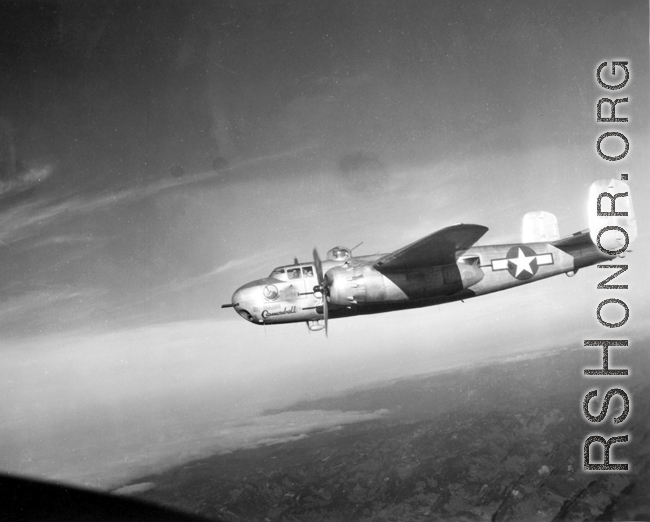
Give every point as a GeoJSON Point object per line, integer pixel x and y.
{"type": "Point", "coordinates": [294, 272]}
{"type": "Point", "coordinates": [277, 272]}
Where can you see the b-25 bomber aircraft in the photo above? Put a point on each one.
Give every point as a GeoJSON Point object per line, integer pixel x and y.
{"type": "Point", "coordinates": [440, 268]}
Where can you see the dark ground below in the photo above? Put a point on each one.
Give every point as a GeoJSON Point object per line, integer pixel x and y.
{"type": "Point", "coordinates": [496, 442]}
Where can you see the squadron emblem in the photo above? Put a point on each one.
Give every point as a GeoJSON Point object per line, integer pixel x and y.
{"type": "Point", "coordinates": [270, 292]}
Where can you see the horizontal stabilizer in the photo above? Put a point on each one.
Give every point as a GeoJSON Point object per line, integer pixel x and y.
{"type": "Point", "coordinates": [440, 248]}
{"type": "Point", "coordinates": [612, 198]}
{"type": "Point", "coordinates": [540, 226]}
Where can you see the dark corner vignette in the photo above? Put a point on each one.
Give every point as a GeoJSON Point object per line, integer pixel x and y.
{"type": "Point", "coordinates": [613, 239]}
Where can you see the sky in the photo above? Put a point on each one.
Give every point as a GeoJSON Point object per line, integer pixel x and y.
{"type": "Point", "coordinates": [165, 153]}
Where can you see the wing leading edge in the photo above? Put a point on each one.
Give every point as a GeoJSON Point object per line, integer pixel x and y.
{"type": "Point", "coordinates": [443, 247]}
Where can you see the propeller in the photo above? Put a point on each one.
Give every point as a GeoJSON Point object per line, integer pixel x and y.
{"type": "Point", "coordinates": [322, 286]}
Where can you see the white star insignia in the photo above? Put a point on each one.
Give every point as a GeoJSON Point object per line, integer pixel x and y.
{"type": "Point", "coordinates": [522, 262]}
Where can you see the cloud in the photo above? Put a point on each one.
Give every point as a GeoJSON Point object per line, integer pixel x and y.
{"type": "Point", "coordinates": [65, 239]}
{"type": "Point", "coordinates": [241, 263]}
{"type": "Point", "coordinates": [25, 180]}
{"type": "Point", "coordinates": [30, 309]}
{"type": "Point", "coordinates": [99, 409]}
{"type": "Point", "coordinates": [134, 488]}
{"type": "Point", "coordinates": [29, 218]}
{"type": "Point", "coordinates": [245, 267]}
{"type": "Point", "coordinates": [283, 427]}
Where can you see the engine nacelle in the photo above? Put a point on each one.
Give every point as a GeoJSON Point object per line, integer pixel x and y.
{"type": "Point", "coordinates": [348, 284]}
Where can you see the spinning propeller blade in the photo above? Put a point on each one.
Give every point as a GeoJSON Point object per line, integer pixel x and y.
{"type": "Point", "coordinates": [325, 313]}
{"type": "Point", "coordinates": [323, 288]}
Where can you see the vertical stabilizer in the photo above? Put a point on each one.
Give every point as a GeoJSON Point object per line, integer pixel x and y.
{"type": "Point", "coordinates": [540, 226]}
{"type": "Point", "coordinates": [611, 198]}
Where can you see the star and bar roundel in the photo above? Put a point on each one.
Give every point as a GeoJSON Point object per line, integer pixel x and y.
{"type": "Point", "coordinates": [522, 262]}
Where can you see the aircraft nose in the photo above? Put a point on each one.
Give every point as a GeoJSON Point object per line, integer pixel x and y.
{"type": "Point", "coordinates": [243, 296]}
{"type": "Point", "coordinates": [241, 301]}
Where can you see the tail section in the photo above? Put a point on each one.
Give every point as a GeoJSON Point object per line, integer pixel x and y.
{"type": "Point", "coordinates": [540, 226]}
{"type": "Point", "coordinates": [613, 230]}
{"type": "Point", "coordinates": [612, 223]}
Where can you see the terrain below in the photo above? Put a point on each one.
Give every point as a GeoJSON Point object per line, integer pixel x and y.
{"type": "Point", "coordinates": [497, 442]}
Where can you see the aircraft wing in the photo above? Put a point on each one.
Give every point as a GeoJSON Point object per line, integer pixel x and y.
{"type": "Point", "coordinates": [443, 247]}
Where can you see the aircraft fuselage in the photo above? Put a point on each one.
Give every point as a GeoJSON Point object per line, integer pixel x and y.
{"type": "Point", "coordinates": [356, 287]}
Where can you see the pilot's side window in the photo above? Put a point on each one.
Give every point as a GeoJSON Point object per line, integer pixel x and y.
{"type": "Point", "coordinates": [294, 273]}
